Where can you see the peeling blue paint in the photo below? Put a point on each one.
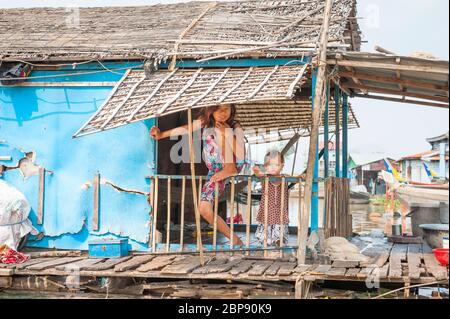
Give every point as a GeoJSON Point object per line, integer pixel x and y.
{"type": "Point", "coordinates": [43, 120]}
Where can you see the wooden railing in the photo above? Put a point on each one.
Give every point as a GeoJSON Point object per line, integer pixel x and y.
{"type": "Point", "coordinates": [156, 181]}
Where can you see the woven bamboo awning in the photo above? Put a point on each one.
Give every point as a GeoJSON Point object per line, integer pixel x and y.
{"type": "Point", "coordinates": [265, 97]}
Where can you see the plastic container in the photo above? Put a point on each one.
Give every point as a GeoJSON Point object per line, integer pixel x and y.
{"type": "Point", "coordinates": [445, 242]}
{"type": "Point", "coordinates": [441, 255]}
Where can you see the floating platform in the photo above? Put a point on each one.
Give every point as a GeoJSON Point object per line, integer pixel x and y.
{"type": "Point", "coordinates": [403, 264]}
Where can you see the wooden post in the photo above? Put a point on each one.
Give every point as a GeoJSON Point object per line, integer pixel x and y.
{"type": "Point", "coordinates": [283, 181]}
{"type": "Point", "coordinates": [248, 214]}
{"type": "Point", "coordinates": [345, 136]}
{"type": "Point", "coordinates": [169, 185]}
{"type": "Point", "coordinates": [233, 185]}
{"type": "Point", "coordinates": [337, 144]}
{"type": "Point", "coordinates": [326, 134]}
{"type": "Point", "coordinates": [194, 188]}
{"type": "Point", "coordinates": [183, 204]}
{"type": "Point", "coordinates": [155, 214]}
{"type": "Point", "coordinates": [266, 214]}
{"type": "Point", "coordinates": [316, 117]}
{"type": "Point", "coordinates": [216, 214]}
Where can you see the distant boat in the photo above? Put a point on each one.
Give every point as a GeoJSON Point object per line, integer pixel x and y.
{"type": "Point", "coordinates": [359, 195]}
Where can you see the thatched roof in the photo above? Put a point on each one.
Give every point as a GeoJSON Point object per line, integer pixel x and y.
{"type": "Point", "coordinates": [265, 97]}
{"type": "Point", "coordinates": [191, 30]}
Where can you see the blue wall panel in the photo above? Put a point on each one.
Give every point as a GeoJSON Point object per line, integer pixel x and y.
{"type": "Point", "coordinates": [43, 120]}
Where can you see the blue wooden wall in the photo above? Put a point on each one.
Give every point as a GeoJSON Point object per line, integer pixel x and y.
{"type": "Point", "coordinates": [43, 120]}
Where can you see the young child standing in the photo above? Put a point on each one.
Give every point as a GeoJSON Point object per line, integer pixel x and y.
{"type": "Point", "coordinates": [273, 165]}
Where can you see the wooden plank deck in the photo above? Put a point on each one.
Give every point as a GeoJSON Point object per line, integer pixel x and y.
{"type": "Point", "coordinates": [413, 263]}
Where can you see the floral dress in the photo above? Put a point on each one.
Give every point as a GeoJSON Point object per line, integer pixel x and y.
{"type": "Point", "coordinates": [214, 162]}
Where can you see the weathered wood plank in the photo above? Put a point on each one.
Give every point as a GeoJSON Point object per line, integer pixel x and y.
{"type": "Point", "coordinates": [259, 268]}
{"type": "Point", "coordinates": [286, 269]}
{"type": "Point", "coordinates": [365, 272]}
{"type": "Point", "coordinates": [336, 272]}
{"type": "Point", "coordinates": [6, 272]}
{"type": "Point", "coordinates": [273, 269]}
{"type": "Point", "coordinates": [80, 265]}
{"type": "Point", "coordinates": [302, 268]}
{"type": "Point", "coordinates": [54, 254]}
{"type": "Point", "coordinates": [414, 260]}
{"type": "Point", "coordinates": [184, 266]}
{"type": "Point", "coordinates": [206, 269]}
{"type": "Point", "coordinates": [352, 272]}
{"type": "Point", "coordinates": [432, 265]}
{"type": "Point", "coordinates": [242, 267]}
{"type": "Point", "coordinates": [54, 262]}
{"type": "Point", "coordinates": [5, 282]}
{"type": "Point", "coordinates": [398, 253]}
{"type": "Point", "coordinates": [108, 264]}
{"type": "Point", "coordinates": [321, 269]}
{"type": "Point", "coordinates": [156, 264]}
{"type": "Point", "coordinates": [25, 264]}
{"type": "Point", "coordinates": [224, 267]}
{"type": "Point", "coordinates": [132, 263]}
{"type": "Point", "coordinates": [345, 264]}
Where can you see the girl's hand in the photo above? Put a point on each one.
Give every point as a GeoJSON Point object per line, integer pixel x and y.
{"type": "Point", "coordinates": [223, 174]}
{"type": "Point", "coordinates": [155, 133]}
{"type": "Point", "coordinates": [221, 126]}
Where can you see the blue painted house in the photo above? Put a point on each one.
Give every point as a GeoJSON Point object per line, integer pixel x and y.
{"type": "Point", "coordinates": [79, 67]}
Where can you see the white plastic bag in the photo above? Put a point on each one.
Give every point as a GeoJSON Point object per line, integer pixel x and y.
{"type": "Point", "coordinates": [14, 211]}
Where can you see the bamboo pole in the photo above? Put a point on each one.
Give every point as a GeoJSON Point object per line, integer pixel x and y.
{"type": "Point", "coordinates": [183, 204]}
{"type": "Point", "coordinates": [266, 213]}
{"type": "Point", "coordinates": [200, 180]}
{"type": "Point", "coordinates": [233, 189]}
{"type": "Point", "coordinates": [194, 188]}
{"type": "Point", "coordinates": [169, 184]}
{"type": "Point", "coordinates": [316, 117]}
{"type": "Point", "coordinates": [282, 214]}
{"type": "Point", "coordinates": [248, 213]}
{"type": "Point", "coordinates": [155, 215]}
{"type": "Point", "coordinates": [299, 211]}
{"type": "Point", "coordinates": [216, 214]}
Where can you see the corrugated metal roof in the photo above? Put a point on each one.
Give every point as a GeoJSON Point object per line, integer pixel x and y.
{"type": "Point", "coordinates": [264, 97]}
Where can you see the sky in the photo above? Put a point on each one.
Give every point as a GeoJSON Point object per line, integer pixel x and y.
{"type": "Point", "coordinates": [401, 26]}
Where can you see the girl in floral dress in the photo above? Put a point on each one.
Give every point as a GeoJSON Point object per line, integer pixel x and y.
{"type": "Point", "coordinates": [223, 153]}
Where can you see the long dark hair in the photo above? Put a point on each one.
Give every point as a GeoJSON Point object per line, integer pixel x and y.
{"type": "Point", "coordinates": [207, 118]}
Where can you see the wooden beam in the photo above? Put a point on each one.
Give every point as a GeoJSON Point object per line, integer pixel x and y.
{"type": "Point", "coordinates": [396, 92]}
{"type": "Point", "coordinates": [385, 79]}
{"type": "Point", "coordinates": [387, 66]}
{"type": "Point", "coordinates": [398, 100]}
{"type": "Point", "coordinates": [316, 118]}
{"type": "Point", "coordinates": [194, 188]}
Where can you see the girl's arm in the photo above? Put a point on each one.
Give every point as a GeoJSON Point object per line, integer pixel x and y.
{"type": "Point", "coordinates": [156, 134]}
